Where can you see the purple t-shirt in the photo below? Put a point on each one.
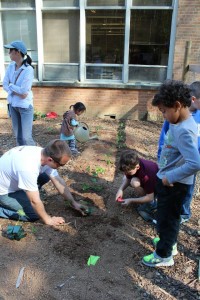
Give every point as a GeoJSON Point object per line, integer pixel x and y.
{"type": "Point", "coordinates": [147, 175]}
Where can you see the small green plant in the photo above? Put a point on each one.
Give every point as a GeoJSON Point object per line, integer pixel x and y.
{"type": "Point", "coordinates": [93, 187]}
{"type": "Point", "coordinates": [107, 159]}
{"type": "Point", "coordinates": [87, 169]}
{"type": "Point", "coordinates": [99, 170]}
{"type": "Point", "coordinates": [86, 187]}
{"type": "Point", "coordinates": [33, 229]}
{"type": "Point", "coordinates": [121, 136]}
{"type": "Point", "coordinates": [38, 115]}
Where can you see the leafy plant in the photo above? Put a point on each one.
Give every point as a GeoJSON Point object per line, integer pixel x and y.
{"type": "Point", "coordinates": [38, 115]}
{"type": "Point", "coordinates": [94, 187]}
{"type": "Point", "coordinates": [86, 187]}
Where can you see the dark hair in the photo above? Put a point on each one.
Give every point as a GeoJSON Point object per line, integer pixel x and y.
{"type": "Point", "coordinates": [78, 106]}
{"type": "Point", "coordinates": [56, 149]}
{"type": "Point", "coordinates": [27, 61]}
{"type": "Point", "coordinates": [172, 91]}
{"type": "Point", "coordinates": [128, 160]}
{"type": "Point", "coordinates": [195, 89]}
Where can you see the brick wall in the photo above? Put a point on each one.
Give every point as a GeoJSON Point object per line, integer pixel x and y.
{"type": "Point", "coordinates": [119, 103]}
{"type": "Point", "coordinates": [188, 25]}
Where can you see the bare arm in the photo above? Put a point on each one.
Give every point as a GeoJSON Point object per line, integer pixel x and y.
{"type": "Point", "coordinates": [123, 186]}
{"type": "Point", "coordinates": [62, 188]}
{"type": "Point", "coordinates": [139, 200]}
{"type": "Point", "coordinates": [38, 206]}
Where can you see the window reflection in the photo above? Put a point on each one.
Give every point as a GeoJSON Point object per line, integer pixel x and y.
{"type": "Point", "coordinates": [149, 37]}
{"type": "Point", "coordinates": [105, 36]}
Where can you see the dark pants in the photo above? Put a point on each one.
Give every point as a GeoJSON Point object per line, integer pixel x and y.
{"type": "Point", "coordinates": [11, 204]}
{"type": "Point", "coordinates": [168, 215]}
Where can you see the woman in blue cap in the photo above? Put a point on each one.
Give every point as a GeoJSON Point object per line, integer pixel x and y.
{"type": "Point", "coordinates": [18, 83]}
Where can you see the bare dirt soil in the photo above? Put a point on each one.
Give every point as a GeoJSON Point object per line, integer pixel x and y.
{"type": "Point", "coordinates": [55, 259]}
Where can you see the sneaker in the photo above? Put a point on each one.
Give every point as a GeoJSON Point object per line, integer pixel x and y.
{"type": "Point", "coordinates": [174, 248]}
{"type": "Point", "coordinates": [153, 260]}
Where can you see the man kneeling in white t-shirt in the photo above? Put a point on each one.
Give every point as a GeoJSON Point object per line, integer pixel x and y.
{"type": "Point", "coordinates": [22, 170]}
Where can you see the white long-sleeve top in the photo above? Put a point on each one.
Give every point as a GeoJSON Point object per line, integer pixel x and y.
{"type": "Point", "coordinates": [22, 86]}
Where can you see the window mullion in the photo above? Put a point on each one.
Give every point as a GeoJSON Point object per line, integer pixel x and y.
{"type": "Point", "coordinates": [82, 44]}
{"type": "Point", "coordinates": [126, 41]}
{"type": "Point", "coordinates": [38, 6]}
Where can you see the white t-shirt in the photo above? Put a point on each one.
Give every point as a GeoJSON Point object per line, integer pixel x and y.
{"type": "Point", "coordinates": [19, 169]}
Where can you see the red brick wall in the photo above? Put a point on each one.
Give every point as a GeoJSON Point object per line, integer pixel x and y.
{"type": "Point", "coordinates": [99, 102]}
{"type": "Point", "coordinates": [188, 25]}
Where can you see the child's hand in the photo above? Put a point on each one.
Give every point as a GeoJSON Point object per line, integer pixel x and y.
{"type": "Point", "coordinates": [120, 199]}
{"type": "Point", "coordinates": [119, 195]}
{"type": "Point", "coordinates": [166, 182]}
{"type": "Point", "coordinates": [126, 202]}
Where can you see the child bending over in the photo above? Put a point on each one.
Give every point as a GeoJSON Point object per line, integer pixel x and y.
{"type": "Point", "coordinates": [141, 175]}
{"type": "Point", "coordinates": [68, 125]}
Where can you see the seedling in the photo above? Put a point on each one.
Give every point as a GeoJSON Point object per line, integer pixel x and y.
{"type": "Point", "coordinates": [33, 230]}
{"type": "Point", "coordinates": [88, 169]}
{"type": "Point", "coordinates": [94, 187]}
{"type": "Point", "coordinates": [86, 187]}
{"type": "Point", "coordinates": [108, 161]}
{"type": "Point", "coordinates": [38, 115]}
{"type": "Point", "coordinates": [99, 170]}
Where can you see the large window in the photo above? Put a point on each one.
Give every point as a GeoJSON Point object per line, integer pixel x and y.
{"type": "Point", "coordinates": [149, 44]}
{"type": "Point", "coordinates": [105, 30]}
{"type": "Point", "coordinates": [63, 47]}
{"type": "Point", "coordinates": [20, 26]}
{"type": "Point", "coordinates": [93, 41]}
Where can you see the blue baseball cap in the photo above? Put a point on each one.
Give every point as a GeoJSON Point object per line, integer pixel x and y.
{"type": "Point", "coordinates": [19, 45]}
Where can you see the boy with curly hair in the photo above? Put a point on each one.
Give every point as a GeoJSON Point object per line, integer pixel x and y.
{"type": "Point", "coordinates": [179, 161]}
{"type": "Point", "coordinates": [195, 112]}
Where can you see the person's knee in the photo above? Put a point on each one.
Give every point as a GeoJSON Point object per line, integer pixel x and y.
{"type": "Point", "coordinates": [135, 182]}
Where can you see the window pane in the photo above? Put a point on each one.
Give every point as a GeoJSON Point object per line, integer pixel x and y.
{"type": "Point", "coordinates": [56, 73]}
{"type": "Point", "coordinates": [60, 3]}
{"type": "Point", "coordinates": [148, 75]}
{"type": "Point", "coordinates": [152, 2]}
{"type": "Point", "coordinates": [100, 72]}
{"type": "Point", "coordinates": [105, 36]}
{"type": "Point", "coordinates": [105, 2]}
{"type": "Point", "coordinates": [61, 37]}
{"type": "Point", "coordinates": [18, 4]}
{"type": "Point", "coordinates": [150, 37]}
{"type": "Point", "coordinates": [18, 25]}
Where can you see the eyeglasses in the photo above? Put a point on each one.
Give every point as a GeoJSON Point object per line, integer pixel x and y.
{"type": "Point", "coordinates": [56, 161]}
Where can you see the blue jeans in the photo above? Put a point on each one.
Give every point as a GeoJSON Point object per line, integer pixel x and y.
{"type": "Point", "coordinates": [12, 203]}
{"type": "Point", "coordinates": [186, 210]}
{"type": "Point", "coordinates": [22, 123]}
